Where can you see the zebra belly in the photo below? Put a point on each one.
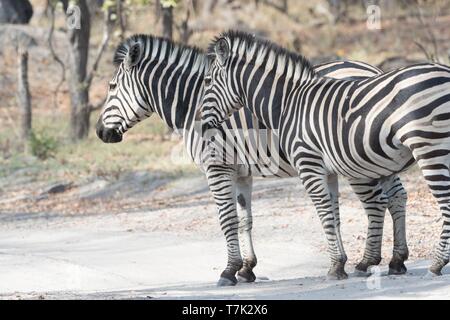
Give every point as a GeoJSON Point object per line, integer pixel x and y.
{"type": "Point", "coordinates": [355, 158]}
{"type": "Point", "coordinates": [251, 151]}
{"type": "Point", "coordinates": [362, 171]}
{"type": "Point", "coordinates": [370, 154]}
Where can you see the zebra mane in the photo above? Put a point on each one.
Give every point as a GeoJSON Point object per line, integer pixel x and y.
{"type": "Point", "coordinates": [151, 43]}
{"type": "Point", "coordinates": [247, 44]}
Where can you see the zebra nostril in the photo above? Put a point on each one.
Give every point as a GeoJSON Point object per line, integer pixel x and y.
{"type": "Point", "coordinates": [107, 135]}
{"type": "Point", "coordinates": [111, 136]}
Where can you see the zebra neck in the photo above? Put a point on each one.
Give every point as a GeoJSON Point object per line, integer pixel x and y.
{"type": "Point", "coordinates": [176, 90]}
{"type": "Point", "coordinates": [267, 95]}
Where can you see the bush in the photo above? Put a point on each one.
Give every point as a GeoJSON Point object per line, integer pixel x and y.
{"type": "Point", "coordinates": [43, 145]}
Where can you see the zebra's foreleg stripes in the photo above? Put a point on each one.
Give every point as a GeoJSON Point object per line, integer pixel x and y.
{"type": "Point", "coordinates": [244, 209]}
{"type": "Point", "coordinates": [374, 202]}
{"type": "Point", "coordinates": [397, 196]}
{"type": "Point", "coordinates": [323, 191]}
{"type": "Point", "coordinates": [221, 181]}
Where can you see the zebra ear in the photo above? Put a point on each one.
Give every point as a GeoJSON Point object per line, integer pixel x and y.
{"type": "Point", "coordinates": [133, 56]}
{"type": "Point", "coordinates": [222, 50]}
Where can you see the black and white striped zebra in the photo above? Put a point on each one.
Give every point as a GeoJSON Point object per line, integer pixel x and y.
{"type": "Point", "coordinates": [155, 75]}
{"type": "Point", "coordinates": [364, 130]}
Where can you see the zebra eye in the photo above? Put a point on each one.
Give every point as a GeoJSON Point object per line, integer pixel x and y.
{"type": "Point", "coordinates": [112, 86]}
{"type": "Point", "coordinates": [208, 81]}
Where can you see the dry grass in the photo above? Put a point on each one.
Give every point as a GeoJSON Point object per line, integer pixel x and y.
{"type": "Point", "coordinates": [144, 147]}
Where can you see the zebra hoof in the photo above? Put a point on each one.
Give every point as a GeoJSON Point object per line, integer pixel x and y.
{"type": "Point", "coordinates": [437, 266]}
{"type": "Point", "coordinates": [434, 271]}
{"type": "Point", "coordinates": [337, 272]}
{"type": "Point", "coordinates": [397, 268]}
{"type": "Point", "coordinates": [430, 275]}
{"type": "Point", "coordinates": [226, 282]}
{"type": "Point", "coordinates": [362, 274]}
{"type": "Point", "coordinates": [364, 266]}
{"type": "Point", "coordinates": [246, 276]}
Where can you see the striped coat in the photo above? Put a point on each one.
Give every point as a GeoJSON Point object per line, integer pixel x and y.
{"type": "Point", "coordinates": [365, 130]}
{"type": "Point", "coordinates": [155, 75]}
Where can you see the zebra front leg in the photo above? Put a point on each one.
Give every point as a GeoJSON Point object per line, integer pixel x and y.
{"type": "Point", "coordinates": [244, 205]}
{"type": "Point", "coordinates": [323, 191]}
{"type": "Point", "coordinates": [374, 202]}
{"type": "Point", "coordinates": [397, 198]}
{"type": "Point", "coordinates": [221, 181]}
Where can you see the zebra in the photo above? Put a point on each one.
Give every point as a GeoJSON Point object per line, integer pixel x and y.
{"type": "Point", "coordinates": [155, 75]}
{"type": "Point", "coordinates": [364, 130]}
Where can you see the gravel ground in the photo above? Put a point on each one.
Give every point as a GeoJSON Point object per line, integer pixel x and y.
{"type": "Point", "coordinates": [159, 238]}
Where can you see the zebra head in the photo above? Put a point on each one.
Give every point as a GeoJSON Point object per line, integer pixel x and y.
{"type": "Point", "coordinates": [221, 98]}
{"type": "Point", "coordinates": [127, 102]}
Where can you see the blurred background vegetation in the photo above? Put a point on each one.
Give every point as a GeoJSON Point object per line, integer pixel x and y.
{"type": "Point", "coordinates": [53, 79]}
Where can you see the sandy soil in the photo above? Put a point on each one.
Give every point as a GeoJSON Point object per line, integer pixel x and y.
{"type": "Point", "coordinates": [173, 247]}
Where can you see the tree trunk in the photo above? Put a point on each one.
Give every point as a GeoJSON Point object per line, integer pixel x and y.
{"type": "Point", "coordinates": [122, 18]}
{"type": "Point", "coordinates": [94, 6]}
{"type": "Point", "coordinates": [80, 115]}
{"type": "Point", "coordinates": [23, 95]}
{"type": "Point", "coordinates": [158, 8]}
{"type": "Point", "coordinates": [185, 31]}
{"type": "Point", "coordinates": [167, 21]}
{"type": "Point", "coordinates": [194, 5]}
{"type": "Point", "coordinates": [284, 6]}
{"type": "Point", "coordinates": [79, 90]}
{"type": "Point", "coordinates": [209, 6]}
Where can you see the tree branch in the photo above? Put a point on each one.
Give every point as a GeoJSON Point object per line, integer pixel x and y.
{"type": "Point", "coordinates": [425, 52]}
{"type": "Point", "coordinates": [107, 30]}
{"type": "Point", "coordinates": [183, 28]}
{"type": "Point", "coordinates": [431, 36]}
{"type": "Point", "coordinates": [54, 55]}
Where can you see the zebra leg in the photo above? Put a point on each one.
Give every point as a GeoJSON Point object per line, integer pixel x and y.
{"type": "Point", "coordinates": [397, 198]}
{"type": "Point", "coordinates": [221, 181]}
{"type": "Point", "coordinates": [323, 191]}
{"type": "Point", "coordinates": [435, 169]}
{"type": "Point", "coordinates": [244, 205]}
{"type": "Point", "coordinates": [374, 201]}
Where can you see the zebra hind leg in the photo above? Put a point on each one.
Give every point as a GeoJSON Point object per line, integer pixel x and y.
{"type": "Point", "coordinates": [374, 202]}
{"type": "Point", "coordinates": [434, 164]}
{"type": "Point", "coordinates": [244, 205]}
{"type": "Point", "coordinates": [222, 186]}
{"type": "Point", "coordinates": [397, 196]}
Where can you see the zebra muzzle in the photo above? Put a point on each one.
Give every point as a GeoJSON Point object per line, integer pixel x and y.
{"type": "Point", "coordinates": [108, 135]}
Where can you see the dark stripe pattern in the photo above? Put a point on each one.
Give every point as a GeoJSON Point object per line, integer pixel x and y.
{"type": "Point", "coordinates": [168, 80]}
{"type": "Point", "coordinates": [366, 130]}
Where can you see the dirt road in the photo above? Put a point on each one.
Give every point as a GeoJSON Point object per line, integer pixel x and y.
{"type": "Point", "coordinates": [173, 248]}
